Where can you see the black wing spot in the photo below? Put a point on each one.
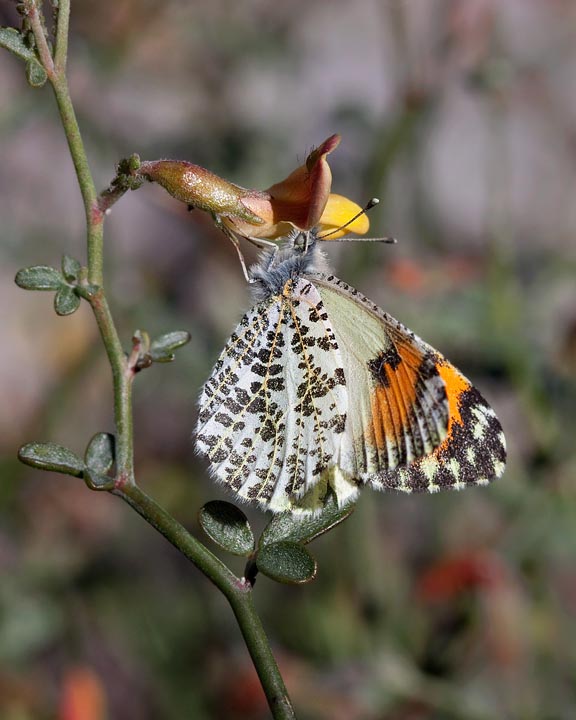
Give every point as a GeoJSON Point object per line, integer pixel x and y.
{"type": "Point", "coordinates": [385, 359]}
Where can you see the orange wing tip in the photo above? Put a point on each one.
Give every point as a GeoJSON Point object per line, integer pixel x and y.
{"type": "Point", "coordinates": [473, 452]}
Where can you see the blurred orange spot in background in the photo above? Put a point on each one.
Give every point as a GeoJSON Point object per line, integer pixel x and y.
{"type": "Point", "coordinates": [83, 696]}
{"type": "Point", "coordinates": [407, 275]}
{"type": "Point", "coordinates": [454, 575]}
{"type": "Point", "coordinates": [244, 697]}
{"type": "Point", "coordinates": [424, 277]}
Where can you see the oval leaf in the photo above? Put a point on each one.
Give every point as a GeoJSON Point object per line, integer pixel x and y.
{"type": "Point", "coordinates": [99, 456]}
{"type": "Point", "coordinates": [49, 456]}
{"type": "Point", "coordinates": [70, 268]}
{"type": "Point", "coordinates": [304, 528]}
{"type": "Point", "coordinates": [35, 73]}
{"type": "Point", "coordinates": [39, 277]}
{"type": "Point", "coordinates": [286, 562]}
{"type": "Point", "coordinates": [66, 301]}
{"type": "Point", "coordinates": [227, 526]}
{"type": "Point", "coordinates": [162, 348]}
{"type": "Point", "coordinates": [12, 40]}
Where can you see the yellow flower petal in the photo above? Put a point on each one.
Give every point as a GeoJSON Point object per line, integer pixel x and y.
{"type": "Point", "coordinates": [338, 212]}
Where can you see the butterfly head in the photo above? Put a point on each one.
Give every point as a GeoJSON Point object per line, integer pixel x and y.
{"type": "Point", "coordinates": [298, 255]}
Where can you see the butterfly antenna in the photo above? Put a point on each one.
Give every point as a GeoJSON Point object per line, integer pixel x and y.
{"type": "Point", "coordinates": [369, 205]}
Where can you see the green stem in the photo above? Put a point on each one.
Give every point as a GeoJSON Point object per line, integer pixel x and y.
{"type": "Point", "coordinates": [94, 217]}
{"type": "Point", "coordinates": [35, 16]}
{"type": "Point", "coordinates": [193, 549]}
{"type": "Point", "coordinates": [122, 377]}
{"type": "Point", "coordinates": [262, 657]}
{"type": "Point", "coordinates": [237, 591]}
{"type": "Point", "coordinates": [122, 380]}
{"type": "Point", "coordinates": [61, 48]}
{"type": "Point", "coordinates": [57, 76]}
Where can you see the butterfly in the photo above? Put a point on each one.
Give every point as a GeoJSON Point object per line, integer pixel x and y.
{"type": "Point", "coordinates": [319, 392]}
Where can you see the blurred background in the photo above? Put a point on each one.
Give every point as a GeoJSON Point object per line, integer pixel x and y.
{"type": "Point", "coordinates": [461, 116]}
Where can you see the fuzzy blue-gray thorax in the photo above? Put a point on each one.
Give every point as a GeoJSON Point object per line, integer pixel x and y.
{"type": "Point", "coordinates": [298, 255]}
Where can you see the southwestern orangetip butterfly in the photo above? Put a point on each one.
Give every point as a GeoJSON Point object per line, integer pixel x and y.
{"type": "Point", "coordinates": [319, 391]}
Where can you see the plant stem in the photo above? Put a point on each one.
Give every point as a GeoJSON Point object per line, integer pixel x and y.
{"type": "Point", "coordinates": [57, 76]}
{"type": "Point", "coordinates": [122, 377]}
{"type": "Point", "coordinates": [193, 549]}
{"type": "Point", "coordinates": [94, 217]}
{"type": "Point", "coordinates": [35, 16]}
{"type": "Point", "coordinates": [61, 48]}
{"type": "Point", "coordinates": [237, 591]}
{"type": "Point", "coordinates": [122, 380]}
{"type": "Point", "coordinates": [262, 657]}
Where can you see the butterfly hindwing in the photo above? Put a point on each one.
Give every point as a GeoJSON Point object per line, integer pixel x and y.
{"type": "Point", "coordinates": [414, 421]}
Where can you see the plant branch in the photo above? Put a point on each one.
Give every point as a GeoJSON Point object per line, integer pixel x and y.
{"type": "Point", "coordinates": [124, 180]}
{"type": "Point", "coordinates": [35, 16]}
{"type": "Point", "coordinates": [61, 48]}
{"type": "Point", "coordinates": [174, 532]}
{"type": "Point", "coordinates": [262, 657]}
{"type": "Point", "coordinates": [237, 591]}
{"type": "Point", "coordinates": [122, 377]}
{"type": "Point", "coordinates": [57, 77]}
{"type": "Point", "coordinates": [94, 217]}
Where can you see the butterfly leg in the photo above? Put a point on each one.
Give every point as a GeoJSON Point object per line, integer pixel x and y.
{"type": "Point", "coordinates": [234, 240]}
{"type": "Point", "coordinates": [265, 245]}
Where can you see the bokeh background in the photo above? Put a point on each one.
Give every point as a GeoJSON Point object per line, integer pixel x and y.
{"type": "Point", "coordinates": [461, 116]}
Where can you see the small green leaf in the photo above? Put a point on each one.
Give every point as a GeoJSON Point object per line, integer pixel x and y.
{"type": "Point", "coordinates": [227, 526]}
{"type": "Point", "coordinates": [96, 481]}
{"type": "Point", "coordinates": [71, 268]}
{"type": "Point", "coordinates": [133, 162]}
{"type": "Point", "coordinates": [286, 562]}
{"type": "Point", "coordinates": [304, 528]}
{"type": "Point", "coordinates": [99, 456]}
{"type": "Point", "coordinates": [126, 178]}
{"type": "Point", "coordinates": [162, 348]}
{"type": "Point", "coordinates": [39, 277]}
{"type": "Point", "coordinates": [12, 40]}
{"type": "Point", "coordinates": [35, 73]}
{"type": "Point", "coordinates": [49, 456]}
{"type": "Point", "coordinates": [141, 341]}
{"type": "Point", "coordinates": [66, 301]}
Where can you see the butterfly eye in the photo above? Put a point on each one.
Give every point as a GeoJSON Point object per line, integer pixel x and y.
{"type": "Point", "coordinates": [302, 241]}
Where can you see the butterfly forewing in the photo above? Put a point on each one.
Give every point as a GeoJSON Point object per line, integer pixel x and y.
{"type": "Point", "coordinates": [414, 421]}
{"type": "Point", "coordinates": [273, 412]}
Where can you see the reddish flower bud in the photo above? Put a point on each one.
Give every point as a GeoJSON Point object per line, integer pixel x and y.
{"type": "Point", "coordinates": [301, 201]}
{"type": "Point", "coordinates": [201, 188]}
